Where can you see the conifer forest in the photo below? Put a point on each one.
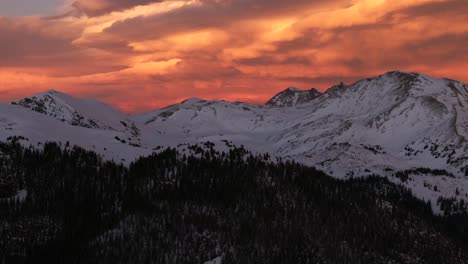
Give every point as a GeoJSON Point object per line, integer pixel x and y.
{"type": "Point", "coordinates": [63, 204]}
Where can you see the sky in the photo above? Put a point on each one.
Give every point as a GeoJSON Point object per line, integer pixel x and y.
{"type": "Point", "coordinates": [139, 55]}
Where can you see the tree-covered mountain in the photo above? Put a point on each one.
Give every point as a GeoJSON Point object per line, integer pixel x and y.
{"type": "Point", "coordinates": [71, 206]}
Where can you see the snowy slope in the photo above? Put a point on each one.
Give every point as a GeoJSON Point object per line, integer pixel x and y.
{"type": "Point", "coordinates": [414, 120]}
{"type": "Point", "coordinates": [82, 113]}
{"type": "Point", "coordinates": [196, 120]}
{"type": "Point", "coordinates": [380, 125]}
{"type": "Point", "coordinates": [397, 120]}
{"type": "Point", "coordinates": [35, 129]}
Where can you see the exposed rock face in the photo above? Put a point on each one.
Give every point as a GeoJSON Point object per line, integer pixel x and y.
{"type": "Point", "coordinates": [293, 96]}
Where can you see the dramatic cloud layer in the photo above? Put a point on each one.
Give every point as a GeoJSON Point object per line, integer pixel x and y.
{"type": "Point", "coordinates": [144, 54]}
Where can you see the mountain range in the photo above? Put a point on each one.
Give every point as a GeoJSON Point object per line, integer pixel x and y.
{"type": "Point", "coordinates": [391, 123]}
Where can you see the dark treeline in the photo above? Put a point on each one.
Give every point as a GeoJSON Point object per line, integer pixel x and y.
{"type": "Point", "coordinates": [405, 175]}
{"type": "Point", "coordinates": [175, 208]}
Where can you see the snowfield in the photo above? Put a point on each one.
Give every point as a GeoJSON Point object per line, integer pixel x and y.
{"type": "Point", "coordinates": [380, 125]}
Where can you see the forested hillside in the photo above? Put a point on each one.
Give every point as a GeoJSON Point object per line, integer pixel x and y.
{"type": "Point", "coordinates": [63, 204]}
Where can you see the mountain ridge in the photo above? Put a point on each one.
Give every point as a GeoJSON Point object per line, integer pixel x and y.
{"type": "Point", "coordinates": [396, 121]}
{"type": "Point", "coordinates": [340, 85]}
{"type": "Point", "coordinates": [293, 96]}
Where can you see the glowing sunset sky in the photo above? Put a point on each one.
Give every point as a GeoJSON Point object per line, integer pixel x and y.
{"type": "Point", "coordinates": [143, 54]}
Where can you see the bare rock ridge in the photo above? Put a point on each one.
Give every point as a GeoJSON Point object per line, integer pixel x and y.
{"type": "Point", "coordinates": [293, 96]}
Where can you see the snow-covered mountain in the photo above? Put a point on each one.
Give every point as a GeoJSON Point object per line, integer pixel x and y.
{"type": "Point", "coordinates": [413, 120]}
{"type": "Point", "coordinates": [82, 113]}
{"type": "Point", "coordinates": [393, 122]}
{"type": "Point", "coordinates": [293, 96]}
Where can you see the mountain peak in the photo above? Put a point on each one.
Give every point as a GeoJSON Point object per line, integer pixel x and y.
{"type": "Point", "coordinates": [87, 113]}
{"type": "Point", "coordinates": [401, 75]}
{"type": "Point", "coordinates": [51, 92]}
{"type": "Point", "coordinates": [399, 72]}
{"type": "Point", "coordinates": [193, 100]}
{"type": "Point", "coordinates": [314, 90]}
{"type": "Point", "coordinates": [293, 89]}
{"type": "Point", "coordinates": [336, 89]}
{"type": "Point", "coordinates": [293, 96]}
{"type": "Point", "coordinates": [409, 76]}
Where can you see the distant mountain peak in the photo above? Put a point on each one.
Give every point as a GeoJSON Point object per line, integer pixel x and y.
{"type": "Point", "coordinates": [52, 91]}
{"type": "Point", "coordinates": [54, 104]}
{"type": "Point", "coordinates": [336, 89]}
{"type": "Point", "coordinates": [294, 89]}
{"type": "Point", "coordinates": [193, 100]}
{"type": "Point", "coordinates": [87, 113]}
{"type": "Point", "coordinates": [399, 82]}
{"type": "Point", "coordinates": [400, 72]}
{"type": "Point", "coordinates": [314, 90]}
{"type": "Point", "coordinates": [293, 96]}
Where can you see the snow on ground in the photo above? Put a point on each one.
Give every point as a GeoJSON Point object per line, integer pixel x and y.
{"type": "Point", "coordinates": [37, 129]}
{"type": "Point", "coordinates": [218, 260]}
{"type": "Point", "coordinates": [430, 188]}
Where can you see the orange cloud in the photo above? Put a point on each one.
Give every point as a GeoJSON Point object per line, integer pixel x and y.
{"type": "Point", "coordinates": [139, 55]}
{"type": "Point", "coordinates": [100, 7]}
